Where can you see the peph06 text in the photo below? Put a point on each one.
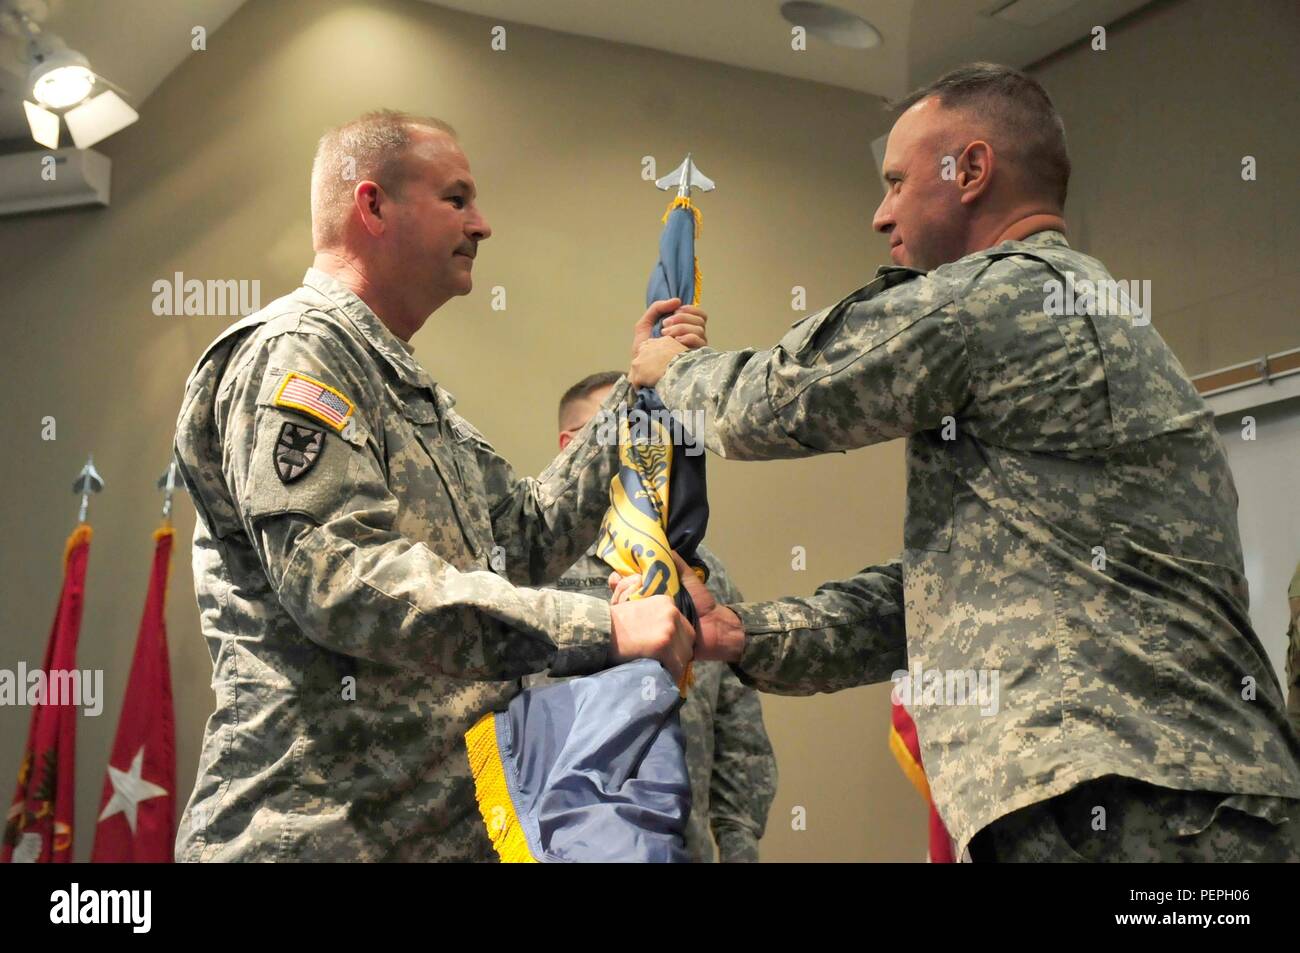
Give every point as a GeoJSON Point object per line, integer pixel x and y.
{"type": "Point", "coordinates": [1225, 894]}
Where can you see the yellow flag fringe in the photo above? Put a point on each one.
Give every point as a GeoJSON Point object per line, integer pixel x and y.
{"type": "Point", "coordinates": [82, 534]}
{"type": "Point", "coordinates": [911, 769]}
{"type": "Point", "coordinates": [493, 794]}
{"type": "Point", "coordinates": [683, 201]}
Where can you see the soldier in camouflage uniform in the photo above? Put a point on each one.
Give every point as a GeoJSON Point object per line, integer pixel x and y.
{"type": "Point", "coordinates": [1071, 520]}
{"type": "Point", "coordinates": [348, 523]}
{"type": "Point", "coordinates": [728, 754]}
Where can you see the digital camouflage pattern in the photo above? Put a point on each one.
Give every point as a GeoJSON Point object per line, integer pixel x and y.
{"type": "Point", "coordinates": [1114, 817]}
{"type": "Point", "coordinates": [728, 755]}
{"type": "Point", "coordinates": [356, 623]}
{"type": "Point", "coordinates": [1077, 534]}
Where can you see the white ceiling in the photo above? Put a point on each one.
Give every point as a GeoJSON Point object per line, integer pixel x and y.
{"type": "Point", "coordinates": [920, 39]}
{"type": "Point", "coordinates": [137, 43]}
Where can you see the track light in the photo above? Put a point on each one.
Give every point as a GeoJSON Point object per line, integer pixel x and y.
{"type": "Point", "coordinates": [63, 86]}
{"type": "Point", "coordinates": [60, 79]}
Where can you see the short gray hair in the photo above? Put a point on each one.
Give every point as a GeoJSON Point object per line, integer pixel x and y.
{"type": "Point", "coordinates": [1023, 119]}
{"type": "Point", "coordinates": [376, 144]}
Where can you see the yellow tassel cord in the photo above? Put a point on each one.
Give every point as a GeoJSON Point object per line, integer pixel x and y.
{"type": "Point", "coordinates": [82, 534]}
{"type": "Point", "coordinates": [683, 201]}
{"type": "Point", "coordinates": [905, 760]}
{"type": "Point", "coordinates": [493, 795]}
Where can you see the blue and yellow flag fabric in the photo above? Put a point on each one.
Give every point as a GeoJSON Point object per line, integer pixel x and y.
{"type": "Point", "coordinates": [590, 769]}
{"type": "Point", "coordinates": [594, 768]}
{"type": "Point", "coordinates": [658, 499]}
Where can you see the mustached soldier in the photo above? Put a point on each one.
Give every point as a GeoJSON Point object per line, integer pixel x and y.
{"type": "Point", "coordinates": [350, 522]}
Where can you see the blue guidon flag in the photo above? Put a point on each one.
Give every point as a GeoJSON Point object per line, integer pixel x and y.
{"type": "Point", "coordinates": [591, 769]}
{"type": "Point", "coordinates": [658, 499]}
{"type": "Point", "coordinates": [594, 768]}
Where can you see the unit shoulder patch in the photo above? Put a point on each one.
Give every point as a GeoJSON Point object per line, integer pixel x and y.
{"type": "Point", "coordinates": [297, 450]}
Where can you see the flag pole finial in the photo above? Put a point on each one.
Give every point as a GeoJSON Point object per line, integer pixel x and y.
{"type": "Point", "coordinates": [686, 177]}
{"type": "Point", "coordinates": [88, 481]}
{"type": "Point", "coordinates": [168, 483]}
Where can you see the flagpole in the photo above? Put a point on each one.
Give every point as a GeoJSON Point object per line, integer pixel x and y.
{"type": "Point", "coordinates": [88, 481]}
{"type": "Point", "coordinates": [167, 483]}
{"type": "Point", "coordinates": [136, 820]}
{"type": "Point", "coordinates": [39, 825]}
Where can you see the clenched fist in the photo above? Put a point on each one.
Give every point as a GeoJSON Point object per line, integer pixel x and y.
{"type": "Point", "coordinates": [683, 329]}
{"type": "Point", "coordinates": [652, 628]}
{"type": "Point", "coordinates": [721, 637]}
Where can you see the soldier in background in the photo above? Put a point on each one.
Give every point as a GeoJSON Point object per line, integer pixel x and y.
{"type": "Point", "coordinates": [348, 518]}
{"type": "Point", "coordinates": [1071, 519]}
{"type": "Point", "coordinates": [728, 754]}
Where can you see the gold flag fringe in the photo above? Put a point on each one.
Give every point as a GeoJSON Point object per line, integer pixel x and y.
{"type": "Point", "coordinates": [683, 201]}
{"type": "Point", "coordinates": [493, 794]}
{"type": "Point", "coordinates": [82, 534]}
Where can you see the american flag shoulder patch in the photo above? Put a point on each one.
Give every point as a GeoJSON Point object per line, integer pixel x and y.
{"type": "Point", "coordinates": [315, 399]}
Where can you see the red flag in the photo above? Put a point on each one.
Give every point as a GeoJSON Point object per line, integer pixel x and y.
{"type": "Point", "coordinates": [907, 750]}
{"type": "Point", "coordinates": [137, 811]}
{"type": "Point", "coordinates": [39, 825]}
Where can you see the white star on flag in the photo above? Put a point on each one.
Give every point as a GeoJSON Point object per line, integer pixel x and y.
{"type": "Point", "coordinates": [129, 789]}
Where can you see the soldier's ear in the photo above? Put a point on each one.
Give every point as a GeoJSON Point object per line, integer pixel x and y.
{"type": "Point", "coordinates": [368, 199]}
{"type": "Point", "coordinates": [974, 170]}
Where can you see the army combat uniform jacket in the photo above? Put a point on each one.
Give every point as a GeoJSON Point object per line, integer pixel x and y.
{"type": "Point", "coordinates": [728, 755]}
{"type": "Point", "coordinates": [1071, 525]}
{"type": "Point", "coordinates": [355, 560]}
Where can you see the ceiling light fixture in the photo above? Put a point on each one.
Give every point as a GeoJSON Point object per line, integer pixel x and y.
{"type": "Point", "coordinates": [60, 79]}
{"type": "Point", "coordinates": [64, 86]}
{"type": "Point", "coordinates": [835, 26]}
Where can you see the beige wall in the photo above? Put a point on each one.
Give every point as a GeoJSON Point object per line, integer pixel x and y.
{"type": "Point", "coordinates": [1158, 125]}
{"type": "Point", "coordinates": [213, 182]}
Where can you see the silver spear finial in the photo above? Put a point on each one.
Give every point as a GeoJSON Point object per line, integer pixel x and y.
{"type": "Point", "coordinates": [686, 177]}
{"type": "Point", "coordinates": [88, 481]}
{"type": "Point", "coordinates": [168, 483]}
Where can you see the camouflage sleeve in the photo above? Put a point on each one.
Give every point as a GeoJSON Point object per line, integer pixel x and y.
{"type": "Point", "coordinates": [333, 552]}
{"type": "Point", "coordinates": [846, 634]}
{"type": "Point", "coordinates": [743, 784]}
{"type": "Point", "coordinates": [853, 375]}
{"type": "Point", "coordinates": [545, 523]}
